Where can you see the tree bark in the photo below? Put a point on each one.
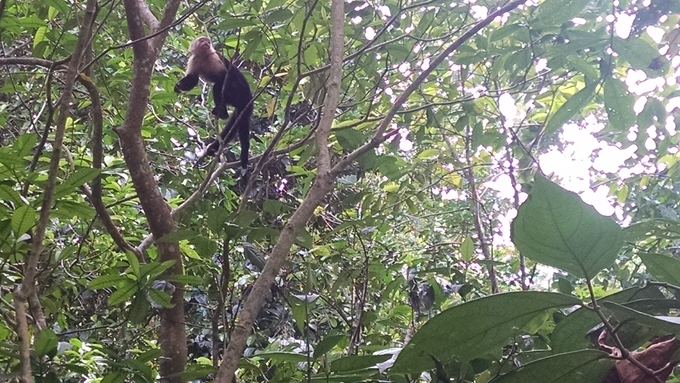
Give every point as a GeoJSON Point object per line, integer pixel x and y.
{"type": "Point", "coordinates": [172, 335]}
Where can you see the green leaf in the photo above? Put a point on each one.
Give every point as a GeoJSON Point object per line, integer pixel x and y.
{"type": "Point", "coordinates": [39, 36]}
{"type": "Point", "coordinates": [619, 104]}
{"type": "Point", "coordinates": [23, 219]}
{"type": "Point", "coordinates": [105, 281]}
{"type": "Point", "coordinates": [138, 310]}
{"type": "Point", "coordinates": [577, 366]}
{"type": "Point", "coordinates": [641, 55]}
{"type": "Point", "coordinates": [68, 209]}
{"type": "Point", "coordinates": [61, 5]}
{"type": "Point", "coordinates": [304, 239]}
{"type": "Point", "coordinates": [589, 70]}
{"type": "Point", "coordinates": [190, 280]}
{"type": "Point", "coordinates": [24, 144]}
{"type": "Point", "coordinates": [327, 344]}
{"type": "Point", "coordinates": [81, 176]}
{"type": "Point", "coordinates": [357, 362]}
{"type": "Point", "coordinates": [556, 12]}
{"type": "Point", "coordinates": [481, 326]}
{"type": "Point", "coordinates": [653, 113]}
{"type": "Point", "coordinates": [467, 249]}
{"type": "Point", "coordinates": [569, 332]}
{"type": "Point", "coordinates": [75, 180]}
{"type": "Point", "coordinates": [123, 293]}
{"type": "Point", "coordinates": [10, 159]}
{"type": "Point", "coordinates": [196, 371]}
{"type": "Point", "coordinates": [45, 342]}
{"type": "Point", "coordinates": [573, 106]}
{"type": "Point", "coordinates": [659, 324]}
{"type": "Point", "coordinates": [503, 32]}
{"type": "Point", "coordinates": [159, 297]}
{"type": "Point", "coordinates": [429, 153]}
{"type": "Point", "coordinates": [555, 227]}
{"type": "Point", "coordinates": [279, 15]}
{"type": "Point", "coordinates": [155, 269]}
{"type": "Point", "coordinates": [216, 219]}
{"type": "Point", "coordinates": [134, 263]}
{"type": "Point", "coordinates": [115, 377]}
{"type": "Point", "coordinates": [349, 139]}
{"type": "Point", "coordinates": [663, 268]}
{"type": "Point", "coordinates": [7, 193]}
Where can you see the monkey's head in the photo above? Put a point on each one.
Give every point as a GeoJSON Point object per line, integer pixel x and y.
{"type": "Point", "coordinates": [201, 45]}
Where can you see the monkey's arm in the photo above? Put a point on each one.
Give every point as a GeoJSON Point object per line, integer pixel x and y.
{"type": "Point", "coordinates": [187, 82]}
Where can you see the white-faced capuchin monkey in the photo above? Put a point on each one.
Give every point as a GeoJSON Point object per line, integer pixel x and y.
{"type": "Point", "coordinates": [230, 88]}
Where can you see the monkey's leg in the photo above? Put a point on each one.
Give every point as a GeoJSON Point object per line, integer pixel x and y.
{"type": "Point", "coordinates": [220, 109]}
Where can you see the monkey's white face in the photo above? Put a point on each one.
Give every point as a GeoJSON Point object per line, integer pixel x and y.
{"type": "Point", "coordinates": [201, 45]}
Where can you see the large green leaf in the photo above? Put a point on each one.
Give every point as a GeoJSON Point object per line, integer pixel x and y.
{"type": "Point", "coordinates": [577, 366]}
{"type": "Point", "coordinates": [555, 227]}
{"type": "Point", "coordinates": [663, 268]}
{"type": "Point", "coordinates": [45, 342]}
{"type": "Point", "coordinates": [641, 55]}
{"type": "Point", "coordinates": [618, 103]}
{"type": "Point", "coordinates": [327, 344]}
{"type": "Point", "coordinates": [357, 362]}
{"type": "Point", "coordinates": [624, 315]}
{"type": "Point", "coordinates": [574, 105]}
{"type": "Point", "coordinates": [23, 219]}
{"type": "Point", "coordinates": [475, 328]}
{"type": "Point", "coordinates": [570, 332]}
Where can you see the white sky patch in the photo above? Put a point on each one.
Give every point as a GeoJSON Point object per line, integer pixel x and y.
{"type": "Point", "coordinates": [541, 65]}
{"type": "Point", "coordinates": [405, 68]}
{"type": "Point", "coordinates": [639, 105]}
{"type": "Point", "coordinates": [623, 25]}
{"type": "Point", "coordinates": [574, 164]}
{"type": "Point", "coordinates": [507, 107]}
{"type": "Point", "coordinates": [655, 33]}
{"type": "Point", "coordinates": [370, 33]}
{"type": "Point", "coordinates": [595, 199]}
{"type": "Point", "coordinates": [670, 125]}
{"type": "Point", "coordinates": [503, 185]}
{"type": "Point", "coordinates": [610, 158]}
{"type": "Point", "coordinates": [404, 143]}
{"type": "Point", "coordinates": [672, 104]}
{"type": "Point", "coordinates": [479, 12]}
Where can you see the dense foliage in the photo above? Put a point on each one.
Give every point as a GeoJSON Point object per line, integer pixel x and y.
{"type": "Point", "coordinates": [413, 267]}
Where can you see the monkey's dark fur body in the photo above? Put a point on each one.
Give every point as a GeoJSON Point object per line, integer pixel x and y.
{"type": "Point", "coordinates": [230, 88]}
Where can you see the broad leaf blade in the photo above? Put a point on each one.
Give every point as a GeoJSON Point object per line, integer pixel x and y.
{"type": "Point", "coordinates": [356, 362]}
{"type": "Point", "coordinates": [662, 267]}
{"type": "Point", "coordinates": [555, 227]}
{"type": "Point", "coordinates": [475, 328]}
{"type": "Point", "coordinates": [619, 104]}
{"type": "Point", "coordinates": [574, 105]}
{"type": "Point", "coordinates": [625, 314]}
{"type": "Point", "coordinates": [570, 332]}
{"type": "Point", "coordinates": [577, 366]}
